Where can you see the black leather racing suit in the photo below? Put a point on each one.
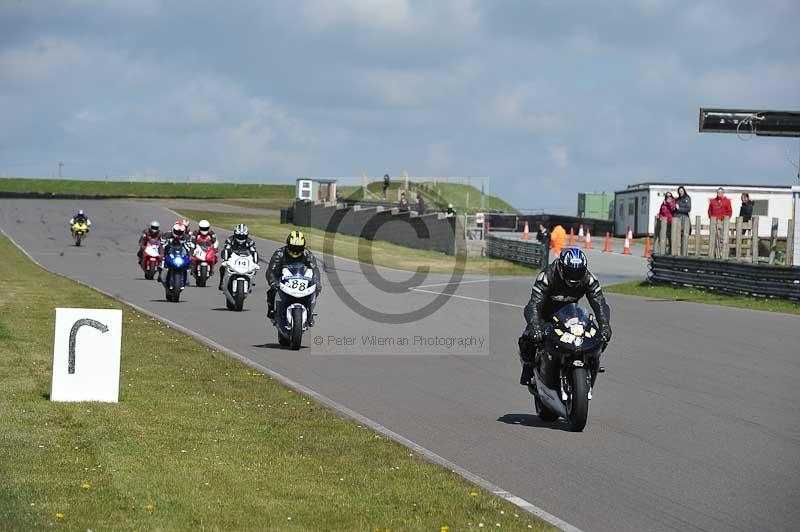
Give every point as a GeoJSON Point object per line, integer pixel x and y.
{"type": "Point", "coordinates": [549, 294]}
{"type": "Point", "coordinates": [231, 245]}
{"type": "Point", "coordinates": [280, 259]}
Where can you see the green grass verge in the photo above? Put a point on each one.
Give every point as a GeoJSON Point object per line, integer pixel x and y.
{"type": "Point", "coordinates": [436, 195]}
{"type": "Point", "coordinates": [148, 190]}
{"type": "Point", "coordinates": [198, 441]}
{"type": "Point", "coordinates": [351, 247]}
{"type": "Point", "coordinates": [663, 291]}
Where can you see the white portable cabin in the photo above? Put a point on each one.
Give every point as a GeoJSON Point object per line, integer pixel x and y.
{"type": "Point", "coordinates": [316, 189]}
{"type": "Point", "coordinates": [638, 205]}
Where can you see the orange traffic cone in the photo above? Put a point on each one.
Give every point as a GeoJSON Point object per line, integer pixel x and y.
{"type": "Point", "coordinates": [646, 248]}
{"type": "Point", "coordinates": [588, 242]}
{"type": "Point", "coordinates": [580, 233]}
{"type": "Point", "coordinates": [607, 245]}
{"type": "Point", "coordinates": [571, 236]}
{"type": "Point", "coordinates": [627, 249]}
{"type": "Point", "coordinates": [525, 234]}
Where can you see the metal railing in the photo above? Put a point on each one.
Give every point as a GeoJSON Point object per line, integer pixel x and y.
{"type": "Point", "coordinates": [520, 251]}
{"type": "Point", "coordinates": [726, 276]}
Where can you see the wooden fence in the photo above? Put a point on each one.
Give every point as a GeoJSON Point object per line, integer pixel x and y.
{"type": "Point", "coordinates": [724, 239]}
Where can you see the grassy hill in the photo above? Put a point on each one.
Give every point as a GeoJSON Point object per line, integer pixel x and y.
{"type": "Point", "coordinates": [143, 189]}
{"type": "Point", "coordinates": [465, 198]}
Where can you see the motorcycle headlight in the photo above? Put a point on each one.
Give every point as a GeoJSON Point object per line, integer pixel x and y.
{"type": "Point", "coordinates": [178, 261]}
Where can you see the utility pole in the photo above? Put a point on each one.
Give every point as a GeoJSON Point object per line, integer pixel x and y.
{"type": "Point", "coordinates": [60, 166]}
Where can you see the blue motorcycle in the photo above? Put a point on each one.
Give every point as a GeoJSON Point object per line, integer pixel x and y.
{"type": "Point", "coordinates": [177, 271]}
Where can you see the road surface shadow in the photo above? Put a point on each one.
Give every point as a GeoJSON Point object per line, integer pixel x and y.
{"type": "Point", "coordinates": [276, 345]}
{"type": "Point", "coordinates": [529, 420]}
{"type": "Point", "coordinates": [230, 310]}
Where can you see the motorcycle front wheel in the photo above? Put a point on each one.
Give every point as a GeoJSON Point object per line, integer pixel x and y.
{"type": "Point", "coordinates": [297, 328]}
{"type": "Point", "coordinates": [578, 402]}
{"type": "Point", "coordinates": [78, 238]}
{"type": "Point", "coordinates": [202, 275]}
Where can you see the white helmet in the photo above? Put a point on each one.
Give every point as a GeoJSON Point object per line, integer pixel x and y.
{"type": "Point", "coordinates": [203, 227]}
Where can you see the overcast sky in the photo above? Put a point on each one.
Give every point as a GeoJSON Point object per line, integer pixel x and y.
{"type": "Point", "coordinates": [546, 98]}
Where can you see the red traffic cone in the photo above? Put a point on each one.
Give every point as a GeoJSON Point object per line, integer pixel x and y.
{"type": "Point", "coordinates": [571, 236]}
{"type": "Point", "coordinates": [525, 233]}
{"type": "Point", "coordinates": [607, 245]}
{"type": "Point", "coordinates": [588, 242]}
{"type": "Point", "coordinates": [646, 248]}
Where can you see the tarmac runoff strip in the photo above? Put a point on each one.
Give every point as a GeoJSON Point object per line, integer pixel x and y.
{"type": "Point", "coordinates": [338, 407]}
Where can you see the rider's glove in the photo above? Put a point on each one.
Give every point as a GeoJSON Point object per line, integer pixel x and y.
{"type": "Point", "coordinates": [605, 332]}
{"type": "Point", "coordinates": [535, 334]}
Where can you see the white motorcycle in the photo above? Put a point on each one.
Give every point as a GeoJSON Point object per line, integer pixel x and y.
{"type": "Point", "coordinates": [293, 302]}
{"type": "Point", "coordinates": [237, 284]}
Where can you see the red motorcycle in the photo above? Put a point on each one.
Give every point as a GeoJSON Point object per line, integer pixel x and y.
{"type": "Point", "coordinates": [151, 257]}
{"type": "Point", "coordinates": [203, 260]}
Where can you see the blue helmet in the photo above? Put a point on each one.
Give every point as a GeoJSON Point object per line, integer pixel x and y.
{"type": "Point", "coordinates": [572, 265]}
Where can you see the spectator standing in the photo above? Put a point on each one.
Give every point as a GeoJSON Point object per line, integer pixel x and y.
{"type": "Point", "coordinates": [746, 210]}
{"type": "Point", "coordinates": [450, 212]}
{"type": "Point", "coordinates": [403, 204]}
{"type": "Point", "coordinates": [718, 210]}
{"type": "Point", "coordinates": [558, 239]}
{"type": "Point", "coordinates": [543, 237]}
{"type": "Point", "coordinates": [665, 213]}
{"type": "Point", "coordinates": [419, 205]}
{"type": "Point", "coordinates": [683, 206]}
{"type": "Point", "coordinates": [385, 186]}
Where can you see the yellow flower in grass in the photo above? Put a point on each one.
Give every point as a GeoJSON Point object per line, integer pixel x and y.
{"type": "Point", "coordinates": [473, 493]}
{"type": "Point", "coordinates": [86, 485]}
{"type": "Point", "coordinates": [59, 516]}
{"type": "Point", "coordinates": [149, 507]}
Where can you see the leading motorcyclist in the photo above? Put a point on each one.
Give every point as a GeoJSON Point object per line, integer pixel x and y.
{"type": "Point", "coordinates": [175, 243]}
{"type": "Point", "coordinates": [80, 217]}
{"type": "Point", "coordinates": [294, 251]}
{"type": "Point", "coordinates": [566, 280]}
{"type": "Point", "coordinates": [239, 242]}
{"type": "Point", "coordinates": [151, 233]}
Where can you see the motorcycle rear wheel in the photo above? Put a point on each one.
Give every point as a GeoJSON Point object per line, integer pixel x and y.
{"type": "Point", "coordinates": [150, 272]}
{"type": "Point", "coordinates": [544, 413]}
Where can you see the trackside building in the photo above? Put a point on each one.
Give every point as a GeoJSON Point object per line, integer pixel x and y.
{"type": "Point", "coordinates": [637, 206]}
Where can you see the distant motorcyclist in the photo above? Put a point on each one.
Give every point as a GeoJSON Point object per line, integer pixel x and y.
{"type": "Point", "coordinates": [566, 280]}
{"type": "Point", "coordinates": [80, 217]}
{"type": "Point", "coordinates": [151, 234]}
{"type": "Point", "coordinates": [187, 228]}
{"type": "Point", "coordinates": [204, 236]}
{"type": "Point", "coordinates": [238, 242]}
{"type": "Point", "coordinates": [175, 243]}
{"type": "Point", "coordinates": [294, 251]}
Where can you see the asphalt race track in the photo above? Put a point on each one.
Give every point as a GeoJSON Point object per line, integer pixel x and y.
{"type": "Point", "coordinates": [695, 425]}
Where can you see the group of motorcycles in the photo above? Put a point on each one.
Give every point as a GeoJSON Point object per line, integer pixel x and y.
{"type": "Point", "coordinates": [566, 367]}
{"type": "Point", "coordinates": [292, 303]}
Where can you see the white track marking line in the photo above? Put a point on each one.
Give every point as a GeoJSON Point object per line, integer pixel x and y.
{"type": "Point", "coordinates": [352, 414]}
{"type": "Point", "coordinates": [470, 298]}
{"type": "Point", "coordinates": [490, 279]}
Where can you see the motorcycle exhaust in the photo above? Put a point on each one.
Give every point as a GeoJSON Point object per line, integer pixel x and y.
{"type": "Point", "coordinates": [549, 397]}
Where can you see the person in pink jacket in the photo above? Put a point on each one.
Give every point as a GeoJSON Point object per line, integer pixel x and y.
{"type": "Point", "coordinates": [668, 207]}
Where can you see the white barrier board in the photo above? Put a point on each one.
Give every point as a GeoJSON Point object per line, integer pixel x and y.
{"type": "Point", "coordinates": [86, 355]}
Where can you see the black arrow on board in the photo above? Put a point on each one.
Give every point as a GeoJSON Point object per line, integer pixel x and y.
{"type": "Point", "coordinates": [73, 333]}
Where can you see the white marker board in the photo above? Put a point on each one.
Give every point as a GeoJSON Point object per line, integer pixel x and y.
{"type": "Point", "coordinates": [86, 355]}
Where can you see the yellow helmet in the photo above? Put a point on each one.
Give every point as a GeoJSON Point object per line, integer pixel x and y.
{"type": "Point", "coordinates": [296, 244]}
